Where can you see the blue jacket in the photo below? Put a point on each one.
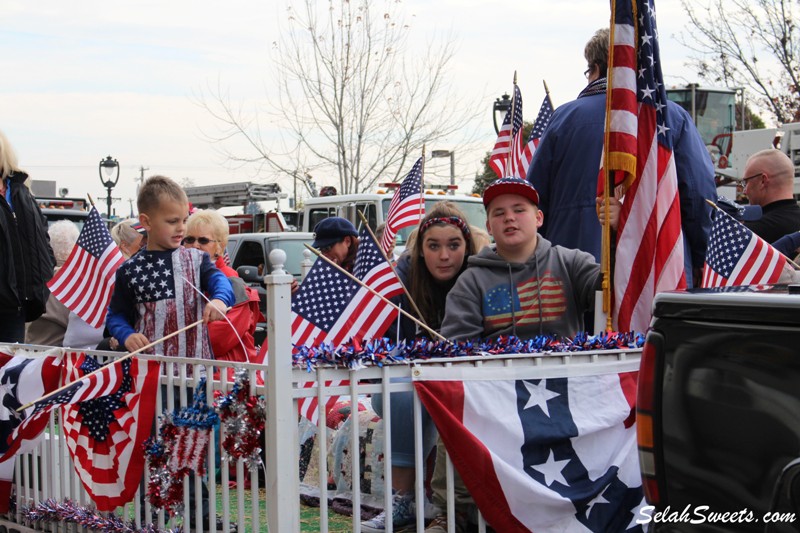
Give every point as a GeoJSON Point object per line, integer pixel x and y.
{"type": "Point", "coordinates": [565, 167]}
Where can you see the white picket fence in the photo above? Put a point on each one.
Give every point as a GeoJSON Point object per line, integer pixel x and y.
{"type": "Point", "coordinates": [47, 472]}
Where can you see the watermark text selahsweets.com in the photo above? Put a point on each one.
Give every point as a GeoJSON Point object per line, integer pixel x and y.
{"type": "Point", "coordinates": [702, 514]}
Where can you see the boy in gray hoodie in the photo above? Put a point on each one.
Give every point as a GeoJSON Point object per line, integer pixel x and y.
{"type": "Point", "coordinates": [522, 286]}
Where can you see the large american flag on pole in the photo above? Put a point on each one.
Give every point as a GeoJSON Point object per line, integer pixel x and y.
{"type": "Point", "coordinates": [737, 256]}
{"type": "Point", "coordinates": [407, 207]}
{"type": "Point", "coordinates": [542, 120]}
{"type": "Point", "coordinates": [507, 155]}
{"type": "Point", "coordinates": [649, 256]}
{"type": "Point", "coordinates": [86, 280]}
{"type": "Point", "coordinates": [332, 308]}
{"type": "Point", "coordinates": [541, 453]}
{"type": "Point", "coordinates": [106, 420]}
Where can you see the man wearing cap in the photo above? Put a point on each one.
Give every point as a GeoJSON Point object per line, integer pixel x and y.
{"type": "Point", "coordinates": [523, 285]}
{"type": "Point", "coordinates": [769, 183]}
{"type": "Point", "coordinates": [337, 239]}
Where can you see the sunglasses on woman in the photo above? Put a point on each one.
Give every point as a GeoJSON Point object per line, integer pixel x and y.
{"type": "Point", "coordinates": [201, 240]}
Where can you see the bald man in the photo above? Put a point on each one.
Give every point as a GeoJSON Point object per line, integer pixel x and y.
{"type": "Point", "coordinates": [769, 182]}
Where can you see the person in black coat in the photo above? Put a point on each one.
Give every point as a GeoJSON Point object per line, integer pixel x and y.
{"type": "Point", "coordinates": [26, 259]}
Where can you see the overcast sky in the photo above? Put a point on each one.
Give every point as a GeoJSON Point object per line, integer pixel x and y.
{"type": "Point", "coordinates": [87, 79]}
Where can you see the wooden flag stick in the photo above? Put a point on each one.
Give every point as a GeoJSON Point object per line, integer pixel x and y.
{"type": "Point", "coordinates": [89, 196]}
{"type": "Point", "coordinates": [547, 93]}
{"type": "Point", "coordinates": [123, 358]}
{"type": "Point", "coordinates": [376, 293]}
{"type": "Point", "coordinates": [715, 206]}
{"type": "Point", "coordinates": [421, 187]}
{"type": "Point", "coordinates": [405, 289]}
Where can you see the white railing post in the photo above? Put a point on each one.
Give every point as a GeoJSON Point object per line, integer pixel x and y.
{"type": "Point", "coordinates": [283, 503]}
{"type": "Point", "coordinates": [305, 264]}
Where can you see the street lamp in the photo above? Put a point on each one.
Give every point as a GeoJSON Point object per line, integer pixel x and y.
{"type": "Point", "coordinates": [452, 155]}
{"type": "Point", "coordinates": [107, 166]}
{"type": "Point", "coordinates": [502, 105]}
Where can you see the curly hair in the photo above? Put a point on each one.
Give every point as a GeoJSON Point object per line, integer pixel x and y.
{"type": "Point", "coordinates": [63, 236]}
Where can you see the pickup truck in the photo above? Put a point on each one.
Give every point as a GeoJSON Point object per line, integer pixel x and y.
{"type": "Point", "coordinates": [718, 410]}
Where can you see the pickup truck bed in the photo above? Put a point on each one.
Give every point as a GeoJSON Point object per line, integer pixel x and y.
{"type": "Point", "coordinates": [720, 390]}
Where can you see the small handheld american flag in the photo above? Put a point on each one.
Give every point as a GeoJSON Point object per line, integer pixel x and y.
{"type": "Point", "coordinates": [85, 283]}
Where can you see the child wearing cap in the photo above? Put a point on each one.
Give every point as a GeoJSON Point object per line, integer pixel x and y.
{"type": "Point", "coordinates": [523, 285]}
{"type": "Point", "coordinates": [337, 239]}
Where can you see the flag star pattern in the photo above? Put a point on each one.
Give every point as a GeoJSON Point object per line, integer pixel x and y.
{"type": "Point", "coordinates": [649, 255]}
{"type": "Point", "coordinates": [150, 277]}
{"type": "Point", "coordinates": [407, 207]}
{"type": "Point", "coordinates": [572, 466]}
{"type": "Point", "coordinates": [737, 256]}
{"type": "Point", "coordinates": [86, 280]}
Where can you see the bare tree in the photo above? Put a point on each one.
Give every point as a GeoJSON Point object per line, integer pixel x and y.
{"type": "Point", "coordinates": [354, 99]}
{"type": "Point", "coordinates": [748, 43]}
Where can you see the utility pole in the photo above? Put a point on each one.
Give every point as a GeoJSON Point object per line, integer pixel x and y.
{"type": "Point", "coordinates": [141, 178]}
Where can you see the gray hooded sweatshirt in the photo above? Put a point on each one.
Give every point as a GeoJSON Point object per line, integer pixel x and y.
{"type": "Point", "coordinates": [547, 294]}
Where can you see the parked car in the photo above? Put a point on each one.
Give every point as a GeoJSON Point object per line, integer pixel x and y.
{"type": "Point", "coordinates": [249, 253]}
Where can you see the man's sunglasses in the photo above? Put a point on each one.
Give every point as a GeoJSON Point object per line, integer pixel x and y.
{"type": "Point", "coordinates": [201, 240]}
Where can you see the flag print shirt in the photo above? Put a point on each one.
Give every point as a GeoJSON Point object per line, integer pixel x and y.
{"type": "Point", "coordinates": [548, 294]}
{"type": "Point", "coordinates": [156, 293]}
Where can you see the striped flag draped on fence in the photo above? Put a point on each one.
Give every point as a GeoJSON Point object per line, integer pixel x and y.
{"type": "Point", "coordinates": [407, 207]}
{"type": "Point", "coordinates": [332, 308]}
{"type": "Point", "coordinates": [106, 420]}
{"type": "Point", "coordinates": [649, 256]}
{"type": "Point", "coordinates": [507, 156]}
{"type": "Point", "coordinates": [86, 280]}
{"type": "Point", "coordinates": [737, 256]}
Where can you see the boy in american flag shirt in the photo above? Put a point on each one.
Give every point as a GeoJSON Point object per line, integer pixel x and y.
{"type": "Point", "coordinates": [154, 293]}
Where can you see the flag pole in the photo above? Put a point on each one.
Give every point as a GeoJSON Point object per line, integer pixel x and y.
{"type": "Point", "coordinates": [511, 124]}
{"type": "Point", "coordinates": [123, 358]}
{"type": "Point", "coordinates": [715, 206]}
{"type": "Point", "coordinates": [547, 93]}
{"type": "Point", "coordinates": [383, 253]}
{"type": "Point", "coordinates": [421, 189]}
{"type": "Point", "coordinates": [605, 244]}
{"type": "Point", "coordinates": [89, 196]}
{"type": "Point", "coordinates": [376, 293]}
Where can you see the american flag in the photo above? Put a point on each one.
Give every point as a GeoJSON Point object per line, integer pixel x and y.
{"type": "Point", "coordinates": [526, 309]}
{"type": "Point", "coordinates": [407, 207]}
{"type": "Point", "coordinates": [551, 455]}
{"type": "Point", "coordinates": [649, 256]}
{"type": "Point", "coordinates": [542, 120]}
{"type": "Point", "coordinates": [24, 378]}
{"type": "Point", "coordinates": [106, 417]}
{"type": "Point", "coordinates": [86, 280]}
{"type": "Point", "coordinates": [507, 155]}
{"type": "Point", "coordinates": [332, 308]}
{"type": "Point", "coordinates": [737, 256]}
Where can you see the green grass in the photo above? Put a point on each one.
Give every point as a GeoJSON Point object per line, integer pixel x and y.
{"type": "Point", "coordinates": [309, 516]}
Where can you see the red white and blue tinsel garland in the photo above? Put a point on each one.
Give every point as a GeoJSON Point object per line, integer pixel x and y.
{"type": "Point", "coordinates": [242, 415]}
{"type": "Point", "coordinates": [181, 447]}
{"type": "Point", "coordinates": [68, 512]}
{"type": "Point", "coordinates": [355, 354]}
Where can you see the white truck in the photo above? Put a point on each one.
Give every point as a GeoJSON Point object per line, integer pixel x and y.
{"type": "Point", "coordinates": [375, 207]}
